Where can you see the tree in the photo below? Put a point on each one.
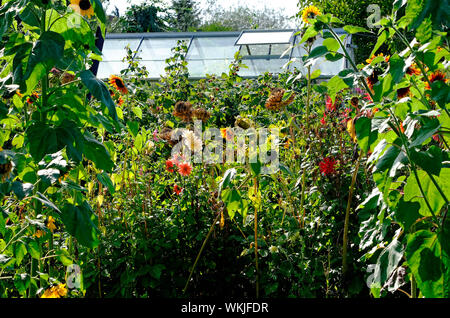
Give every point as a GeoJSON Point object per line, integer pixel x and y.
{"type": "Point", "coordinates": [241, 17]}
{"type": "Point", "coordinates": [185, 16]}
{"type": "Point", "coordinates": [150, 16]}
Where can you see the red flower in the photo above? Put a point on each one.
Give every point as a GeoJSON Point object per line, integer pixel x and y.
{"type": "Point", "coordinates": [184, 169]}
{"type": "Point", "coordinates": [436, 138]}
{"type": "Point", "coordinates": [177, 189]}
{"type": "Point", "coordinates": [323, 121]}
{"type": "Point", "coordinates": [329, 104]}
{"type": "Point", "coordinates": [169, 165]}
{"type": "Point", "coordinates": [367, 97]}
{"type": "Point", "coordinates": [327, 166]}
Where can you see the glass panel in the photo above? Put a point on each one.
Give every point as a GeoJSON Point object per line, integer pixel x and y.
{"type": "Point", "coordinates": [212, 48]}
{"type": "Point", "coordinates": [264, 49]}
{"type": "Point", "coordinates": [114, 49]}
{"type": "Point", "coordinates": [264, 37]}
{"type": "Point", "coordinates": [327, 68]}
{"type": "Point", "coordinates": [106, 69]}
{"type": "Point", "coordinates": [158, 49]}
{"type": "Point", "coordinates": [199, 68]}
{"type": "Point", "coordinates": [257, 67]}
{"type": "Point", "coordinates": [155, 68]}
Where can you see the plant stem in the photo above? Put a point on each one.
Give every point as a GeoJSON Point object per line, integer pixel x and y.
{"type": "Point", "coordinates": [256, 241]}
{"type": "Point", "coordinates": [200, 252]}
{"type": "Point", "coordinates": [347, 214]}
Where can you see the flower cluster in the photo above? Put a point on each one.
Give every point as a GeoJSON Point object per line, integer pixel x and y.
{"type": "Point", "coordinates": [327, 166]}
{"type": "Point", "coordinates": [55, 291]}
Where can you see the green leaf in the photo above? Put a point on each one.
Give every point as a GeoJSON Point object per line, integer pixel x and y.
{"type": "Point", "coordinates": [407, 213]}
{"type": "Point", "coordinates": [40, 197]}
{"type": "Point", "coordinates": [335, 84]}
{"type": "Point", "coordinates": [34, 250]}
{"type": "Point", "coordinates": [255, 166]}
{"type": "Point", "coordinates": [137, 111]}
{"type": "Point", "coordinates": [430, 160]}
{"type": "Point", "coordinates": [331, 44]}
{"type": "Point", "coordinates": [96, 151]}
{"type": "Point", "coordinates": [81, 222]}
{"type": "Point", "coordinates": [133, 127]}
{"type": "Point", "coordinates": [98, 9]}
{"type": "Point", "coordinates": [99, 90]}
{"type": "Point", "coordinates": [396, 68]}
{"type": "Point", "coordinates": [413, 194]}
{"type": "Point", "coordinates": [317, 52]}
{"type": "Point", "coordinates": [424, 258]}
{"type": "Point", "coordinates": [106, 181]}
{"type": "Point", "coordinates": [366, 137]}
{"type": "Point", "coordinates": [47, 51]}
{"type": "Point", "coordinates": [43, 139]}
{"type": "Point", "coordinates": [381, 39]}
{"type": "Point", "coordinates": [22, 190]}
{"type": "Point", "coordinates": [227, 178]}
{"type": "Point", "coordinates": [64, 257]}
{"type": "Point", "coordinates": [352, 29]}
{"type": "Point", "coordinates": [20, 251]}
{"type": "Point", "coordinates": [388, 261]}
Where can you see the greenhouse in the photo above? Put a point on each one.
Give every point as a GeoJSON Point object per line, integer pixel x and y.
{"type": "Point", "coordinates": [212, 52]}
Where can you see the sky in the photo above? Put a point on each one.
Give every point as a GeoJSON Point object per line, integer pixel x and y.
{"type": "Point", "coordinates": [288, 6]}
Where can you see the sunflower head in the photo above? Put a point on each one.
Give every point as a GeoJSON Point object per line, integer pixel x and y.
{"type": "Point", "coordinates": [310, 12]}
{"type": "Point", "coordinates": [436, 76]}
{"type": "Point", "coordinates": [118, 84]}
{"type": "Point", "coordinates": [83, 7]}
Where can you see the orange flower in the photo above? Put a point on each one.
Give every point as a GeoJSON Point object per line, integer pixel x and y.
{"type": "Point", "coordinates": [184, 169]}
{"type": "Point", "coordinates": [386, 59]}
{"type": "Point", "coordinates": [33, 98]}
{"type": "Point", "coordinates": [169, 165]}
{"type": "Point", "coordinates": [118, 84]}
{"type": "Point", "coordinates": [177, 189]}
{"type": "Point", "coordinates": [413, 70]}
{"type": "Point", "coordinates": [436, 76]}
{"type": "Point", "coordinates": [50, 223]}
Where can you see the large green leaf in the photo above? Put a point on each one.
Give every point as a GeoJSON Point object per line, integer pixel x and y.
{"type": "Point", "coordinates": [81, 222]}
{"type": "Point", "coordinates": [413, 193]}
{"type": "Point", "coordinates": [96, 151]}
{"type": "Point", "coordinates": [388, 261]}
{"type": "Point", "coordinates": [425, 258]}
{"type": "Point", "coordinates": [364, 133]}
{"type": "Point", "coordinates": [106, 181]}
{"type": "Point", "coordinates": [47, 51]}
{"type": "Point", "coordinates": [99, 90]}
{"type": "Point", "coordinates": [44, 139]}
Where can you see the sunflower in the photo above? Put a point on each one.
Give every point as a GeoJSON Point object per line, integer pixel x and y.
{"type": "Point", "coordinates": [436, 76]}
{"type": "Point", "coordinates": [83, 7]}
{"type": "Point", "coordinates": [413, 70]}
{"type": "Point", "coordinates": [403, 92]}
{"type": "Point", "coordinates": [310, 13]}
{"type": "Point", "coordinates": [118, 84]}
{"type": "Point", "coordinates": [372, 79]}
{"type": "Point", "coordinates": [183, 110]}
{"type": "Point", "coordinates": [386, 58]}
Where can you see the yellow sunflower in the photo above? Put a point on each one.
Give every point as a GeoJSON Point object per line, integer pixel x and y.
{"type": "Point", "coordinates": [118, 84]}
{"type": "Point", "coordinates": [310, 13]}
{"type": "Point", "coordinates": [83, 7]}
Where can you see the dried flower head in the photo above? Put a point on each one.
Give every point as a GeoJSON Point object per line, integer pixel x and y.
{"type": "Point", "coordinates": [202, 114]}
{"type": "Point", "coordinates": [183, 110]}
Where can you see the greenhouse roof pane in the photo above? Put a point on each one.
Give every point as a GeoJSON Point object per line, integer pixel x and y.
{"type": "Point", "coordinates": [264, 37]}
{"type": "Point", "coordinates": [212, 48]}
{"type": "Point", "coordinates": [158, 49]}
{"type": "Point", "coordinates": [114, 49]}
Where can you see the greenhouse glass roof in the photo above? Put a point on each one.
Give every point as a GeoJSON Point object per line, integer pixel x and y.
{"type": "Point", "coordinates": [212, 52]}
